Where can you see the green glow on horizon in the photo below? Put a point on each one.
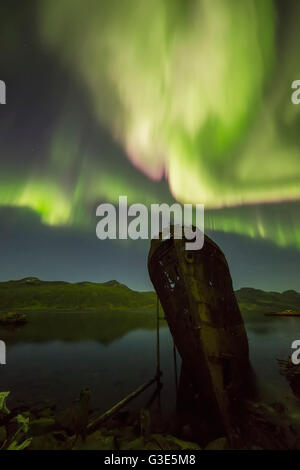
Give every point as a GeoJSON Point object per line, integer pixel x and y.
{"type": "Point", "coordinates": [43, 197]}
{"type": "Point", "coordinates": [280, 224]}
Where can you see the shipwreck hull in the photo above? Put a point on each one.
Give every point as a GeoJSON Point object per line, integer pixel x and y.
{"type": "Point", "coordinates": [195, 291]}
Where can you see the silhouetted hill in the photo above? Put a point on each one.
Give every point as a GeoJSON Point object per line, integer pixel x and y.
{"type": "Point", "coordinates": [260, 302]}
{"type": "Point", "coordinates": [33, 294]}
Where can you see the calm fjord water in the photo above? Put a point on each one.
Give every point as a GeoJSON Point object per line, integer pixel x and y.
{"type": "Point", "coordinates": [56, 355]}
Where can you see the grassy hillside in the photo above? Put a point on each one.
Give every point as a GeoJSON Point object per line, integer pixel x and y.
{"type": "Point", "coordinates": [33, 294]}
{"type": "Point", "coordinates": [255, 302]}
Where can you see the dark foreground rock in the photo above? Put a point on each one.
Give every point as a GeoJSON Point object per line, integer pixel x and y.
{"type": "Point", "coordinates": [265, 427]}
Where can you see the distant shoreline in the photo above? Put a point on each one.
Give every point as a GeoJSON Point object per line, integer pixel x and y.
{"type": "Point", "coordinates": [282, 314]}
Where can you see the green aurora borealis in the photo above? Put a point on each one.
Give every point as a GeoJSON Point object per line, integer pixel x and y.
{"type": "Point", "coordinates": [195, 96]}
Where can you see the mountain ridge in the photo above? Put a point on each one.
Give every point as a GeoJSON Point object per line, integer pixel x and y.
{"type": "Point", "coordinates": [32, 293]}
{"type": "Point", "coordinates": [250, 299]}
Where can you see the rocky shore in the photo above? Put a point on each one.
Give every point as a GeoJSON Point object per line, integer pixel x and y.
{"type": "Point", "coordinates": [45, 428]}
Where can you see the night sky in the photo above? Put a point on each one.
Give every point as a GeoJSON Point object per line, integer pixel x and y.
{"type": "Point", "coordinates": [162, 101]}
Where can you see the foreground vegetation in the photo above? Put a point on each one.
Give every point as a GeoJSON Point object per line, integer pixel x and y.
{"type": "Point", "coordinates": [46, 428]}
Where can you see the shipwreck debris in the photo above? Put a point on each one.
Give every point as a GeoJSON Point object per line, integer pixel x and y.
{"type": "Point", "coordinates": [195, 291]}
